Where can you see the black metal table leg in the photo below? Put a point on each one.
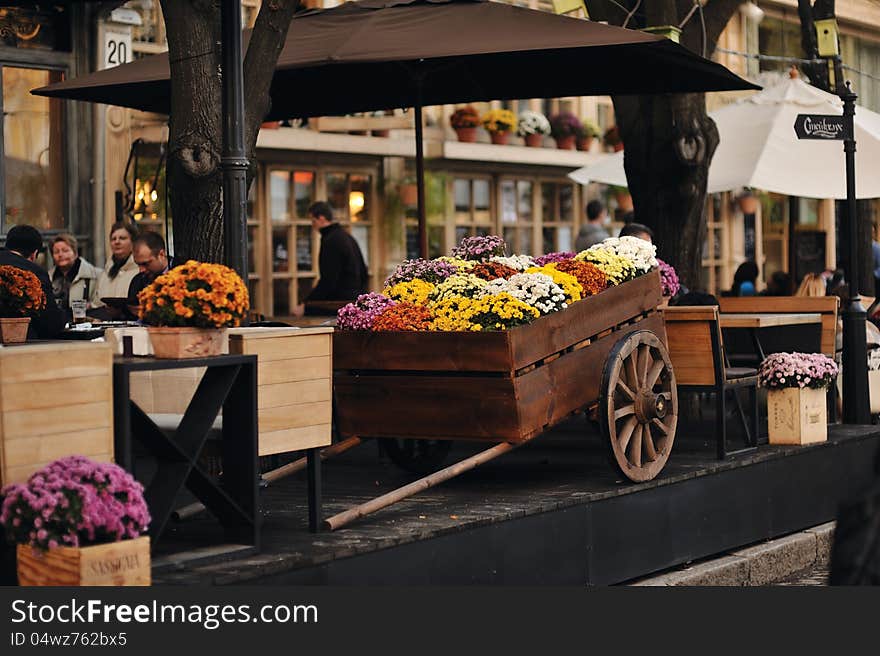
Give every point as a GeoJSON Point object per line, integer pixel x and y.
{"type": "Point", "coordinates": [313, 457]}
{"type": "Point", "coordinates": [122, 420]}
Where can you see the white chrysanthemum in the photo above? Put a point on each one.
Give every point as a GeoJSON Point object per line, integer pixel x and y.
{"type": "Point", "coordinates": [537, 289]}
{"type": "Point", "coordinates": [643, 254]}
{"type": "Point", "coordinates": [518, 262]}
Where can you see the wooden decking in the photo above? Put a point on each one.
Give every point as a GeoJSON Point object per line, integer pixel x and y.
{"type": "Point", "coordinates": [554, 511]}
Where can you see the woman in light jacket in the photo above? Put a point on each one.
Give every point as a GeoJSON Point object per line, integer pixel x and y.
{"type": "Point", "coordinates": [119, 269]}
{"type": "Point", "coordinates": [73, 277]}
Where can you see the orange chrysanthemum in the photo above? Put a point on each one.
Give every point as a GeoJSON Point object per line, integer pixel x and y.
{"type": "Point", "coordinates": [21, 294]}
{"type": "Point", "coordinates": [404, 316]}
{"type": "Point", "coordinates": [493, 271]}
{"type": "Point", "coordinates": [588, 275]}
{"type": "Point", "coordinates": [195, 294]}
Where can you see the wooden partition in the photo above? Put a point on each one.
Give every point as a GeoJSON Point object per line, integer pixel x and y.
{"type": "Point", "coordinates": [56, 400]}
{"type": "Point", "coordinates": [294, 385]}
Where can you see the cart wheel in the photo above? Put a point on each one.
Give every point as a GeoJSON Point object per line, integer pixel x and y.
{"type": "Point", "coordinates": [638, 408]}
{"type": "Point", "coordinates": [417, 456]}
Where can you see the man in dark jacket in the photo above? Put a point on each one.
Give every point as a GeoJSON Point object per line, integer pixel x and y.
{"type": "Point", "coordinates": [23, 244]}
{"type": "Point", "coordinates": [148, 252]}
{"type": "Point", "coordinates": [342, 270]}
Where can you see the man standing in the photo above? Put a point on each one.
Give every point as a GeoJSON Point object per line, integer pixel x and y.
{"type": "Point", "coordinates": [593, 231]}
{"type": "Point", "coordinates": [149, 254]}
{"type": "Point", "coordinates": [342, 270]}
{"type": "Point", "coordinates": [23, 244]}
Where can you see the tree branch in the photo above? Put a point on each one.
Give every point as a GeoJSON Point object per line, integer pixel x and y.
{"type": "Point", "coordinates": [267, 41]}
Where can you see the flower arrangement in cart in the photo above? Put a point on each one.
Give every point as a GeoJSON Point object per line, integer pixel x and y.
{"type": "Point", "coordinates": [480, 287]}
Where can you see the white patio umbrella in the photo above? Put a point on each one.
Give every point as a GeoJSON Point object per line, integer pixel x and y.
{"type": "Point", "coordinates": [759, 148]}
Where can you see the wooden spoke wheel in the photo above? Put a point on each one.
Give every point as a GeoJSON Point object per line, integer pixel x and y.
{"type": "Point", "coordinates": [638, 408]}
{"type": "Point", "coordinates": [417, 456]}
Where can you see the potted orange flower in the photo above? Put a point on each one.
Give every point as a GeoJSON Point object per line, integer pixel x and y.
{"type": "Point", "coordinates": [21, 297]}
{"type": "Point", "coordinates": [189, 307]}
{"type": "Point", "coordinates": [465, 120]}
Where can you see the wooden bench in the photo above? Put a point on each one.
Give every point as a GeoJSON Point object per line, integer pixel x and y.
{"type": "Point", "coordinates": [827, 306]}
{"type": "Point", "coordinates": [697, 353]}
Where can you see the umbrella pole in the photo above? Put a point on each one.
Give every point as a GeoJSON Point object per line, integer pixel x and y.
{"type": "Point", "coordinates": [234, 162]}
{"type": "Point", "coordinates": [420, 173]}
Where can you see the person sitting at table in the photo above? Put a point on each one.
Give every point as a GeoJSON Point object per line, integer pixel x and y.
{"type": "Point", "coordinates": [744, 280]}
{"type": "Point", "coordinates": [780, 284]}
{"type": "Point", "coordinates": [73, 277]}
{"type": "Point", "coordinates": [118, 272]}
{"type": "Point", "coordinates": [813, 284]}
{"type": "Point", "coordinates": [23, 244]}
{"type": "Point", "coordinates": [638, 230]}
{"type": "Point", "coordinates": [152, 261]}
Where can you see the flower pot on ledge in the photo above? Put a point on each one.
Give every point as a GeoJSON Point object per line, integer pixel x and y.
{"type": "Point", "coordinates": [566, 143]}
{"type": "Point", "coordinates": [534, 140]}
{"type": "Point", "coordinates": [466, 135]}
{"type": "Point", "coordinates": [13, 330]}
{"type": "Point", "coordinates": [499, 138]}
{"type": "Point", "coordinates": [584, 143]}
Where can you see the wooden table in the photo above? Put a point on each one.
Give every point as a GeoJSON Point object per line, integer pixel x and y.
{"type": "Point", "coordinates": [756, 320]}
{"type": "Point", "coordinates": [230, 383]}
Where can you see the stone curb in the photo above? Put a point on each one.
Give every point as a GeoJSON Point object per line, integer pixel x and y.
{"type": "Point", "coordinates": [760, 564]}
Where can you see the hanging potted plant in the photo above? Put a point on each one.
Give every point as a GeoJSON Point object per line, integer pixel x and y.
{"type": "Point", "coordinates": [564, 127]}
{"type": "Point", "coordinates": [188, 308]}
{"type": "Point", "coordinates": [21, 297]}
{"type": "Point", "coordinates": [533, 127]}
{"type": "Point", "coordinates": [78, 522]}
{"type": "Point", "coordinates": [589, 131]}
{"type": "Point", "coordinates": [499, 123]}
{"type": "Point", "coordinates": [408, 191]}
{"type": "Point", "coordinates": [465, 121]}
{"type": "Point", "coordinates": [612, 139]}
{"type": "Point", "coordinates": [796, 384]}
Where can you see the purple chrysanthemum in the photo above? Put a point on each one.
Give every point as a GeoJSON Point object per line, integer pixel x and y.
{"type": "Point", "coordinates": [480, 248]}
{"type": "Point", "coordinates": [74, 501]}
{"type": "Point", "coordinates": [360, 314]}
{"type": "Point", "coordinates": [432, 271]}
{"type": "Point", "coordinates": [668, 278]}
{"type": "Point", "coordinates": [554, 257]}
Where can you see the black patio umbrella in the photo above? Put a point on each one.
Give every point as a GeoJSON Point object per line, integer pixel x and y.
{"type": "Point", "coordinates": [375, 54]}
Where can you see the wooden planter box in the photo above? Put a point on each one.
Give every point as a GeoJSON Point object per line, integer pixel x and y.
{"type": "Point", "coordinates": [126, 562]}
{"type": "Point", "coordinates": [797, 416]}
{"type": "Point", "coordinates": [492, 386]}
{"type": "Point", "coordinates": [294, 385]}
{"type": "Point", "coordinates": [56, 400]}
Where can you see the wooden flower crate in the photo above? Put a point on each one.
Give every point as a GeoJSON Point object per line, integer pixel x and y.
{"type": "Point", "coordinates": [126, 562]}
{"type": "Point", "coordinates": [797, 415]}
{"type": "Point", "coordinates": [499, 386]}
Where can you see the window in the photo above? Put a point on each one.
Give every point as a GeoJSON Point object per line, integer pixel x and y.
{"type": "Point", "coordinates": [517, 216]}
{"type": "Point", "coordinates": [557, 217]}
{"type": "Point", "coordinates": [290, 267]}
{"type": "Point", "coordinates": [34, 172]}
{"type": "Point", "coordinates": [472, 198]}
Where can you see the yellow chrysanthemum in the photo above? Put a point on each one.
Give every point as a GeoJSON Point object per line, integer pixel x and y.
{"type": "Point", "coordinates": [413, 291]}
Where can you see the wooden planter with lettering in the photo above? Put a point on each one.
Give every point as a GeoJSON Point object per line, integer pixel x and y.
{"type": "Point", "coordinates": [126, 562]}
{"type": "Point", "coordinates": [797, 415]}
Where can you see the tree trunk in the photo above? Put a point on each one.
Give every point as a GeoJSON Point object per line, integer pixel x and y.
{"type": "Point", "coordinates": [669, 139]}
{"type": "Point", "coordinates": [669, 142]}
{"type": "Point", "coordinates": [196, 127]}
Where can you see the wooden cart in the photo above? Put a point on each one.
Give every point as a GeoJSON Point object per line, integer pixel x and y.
{"type": "Point", "coordinates": [604, 354]}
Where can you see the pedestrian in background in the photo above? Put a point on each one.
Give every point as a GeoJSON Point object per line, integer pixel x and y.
{"type": "Point", "coordinates": [342, 270]}
{"type": "Point", "coordinates": [744, 280]}
{"type": "Point", "coordinates": [593, 231]}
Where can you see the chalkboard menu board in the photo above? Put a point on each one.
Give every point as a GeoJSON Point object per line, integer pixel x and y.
{"type": "Point", "coordinates": [809, 254]}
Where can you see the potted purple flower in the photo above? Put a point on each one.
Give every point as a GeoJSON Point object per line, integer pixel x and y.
{"type": "Point", "coordinates": [668, 279]}
{"type": "Point", "coordinates": [796, 385]}
{"type": "Point", "coordinates": [78, 522]}
{"type": "Point", "coordinates": [565, 128]}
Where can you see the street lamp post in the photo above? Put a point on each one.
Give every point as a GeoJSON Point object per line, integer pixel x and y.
{"type": "Point", "coordinates": [856, 408]}
{"type": "Point", "coordinates": [234, 162]}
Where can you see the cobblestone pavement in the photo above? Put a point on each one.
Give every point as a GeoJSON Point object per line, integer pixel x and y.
{"type": "Point", "coordinates": [816, 576]}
